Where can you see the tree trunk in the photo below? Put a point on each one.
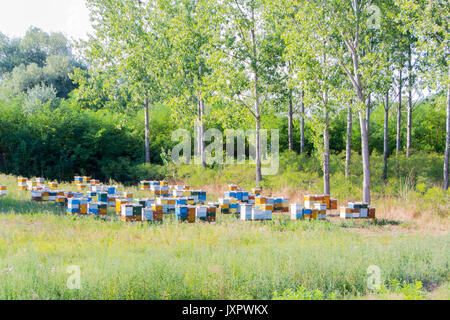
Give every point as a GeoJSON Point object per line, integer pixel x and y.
{"type": "Point", "coordinates": [147, 132]}
{"type": "Point", "coordinates": [399, 116]}
{"type": "Point", "coordinates": [409, 116]}
{"type": "Point", "coordinates": [369, 104]}
{"type": "Point", "coordinates": [366, 158]}
{"type": "Point", "coordinates": [302, 124]}
{"type": "Point", "coordinates": [326, 155]}
{"type": "Point", "coordinates": [447, 140]}
{"type": "Point", "coordinates": [202, 145]}
{"type": "Point", "coordinates": [258, 151]}
{"type": "Point", "coordinates": [290, 123]}
{"type": "Point", "coordinates": [385, 139]}
{"type": "Point", "coordinates": [348, 151]}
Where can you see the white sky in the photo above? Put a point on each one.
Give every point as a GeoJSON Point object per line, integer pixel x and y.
{"type": "Point", "coordinates": [68, 16]}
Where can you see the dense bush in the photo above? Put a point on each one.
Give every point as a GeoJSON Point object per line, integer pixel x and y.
{"type": "Point", "coordinates": [66, 141]}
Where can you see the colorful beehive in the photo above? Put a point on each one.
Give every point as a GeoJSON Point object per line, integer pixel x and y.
{"type": "Point", "coordinates": [246, 212]}
{"type": "Point", "coordinates": [31, 185]}
{"type": "Point", "coordinates": [78, 180]}
{"type": "Point", "coordinates": [2, 191]}
{"type": "Point", "coordinates": [357, 210]}
{"type": "Point", "coordinates": [73, 206]}
{"type": "Point", "coordinates": [261, 215]}
{"type": "Point", "coordinates": [224, 206]}
{"type": "Point", "coordinates": [257, 191]}
{"type": "Point", "coordinates": [296, 211]}
{"type": "Point", "coordinates": [260, 200]}
{"type": "Point", "coordinates": [60, 200]}
{"type": "Point", "coordinates": [127, 212]}
{"type": "Point", "coordinates": [149, 215]}
{"type": "Point", "coordinates": [145, 186]}
{"type": "Point", "coordinates": [40, 180]}
{"type": "Point", "coordinates": [185, 213]}
{"type": "Point", "coordinates": [201, 213]}
{"type": "Point", "coordinates": [53, 185]}
{"type": "Point", "coordinates": [119, 203]}
{"type": "Point", "coordinates": [111, 200]}
{"type": "Point", "coordinates": [232, 187]}
{"type": "Point", "coordinates": [22, 183]}
{"type": "Point", "coordinates": [92, 208]}
{"type": "Point", "coordinates": [128, 196]}
{"type": "Point", "coordinates": [211, 213]}
{"type": "Point", "coordinates": [281, 204]}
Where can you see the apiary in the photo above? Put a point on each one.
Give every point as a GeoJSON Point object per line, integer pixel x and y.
{"type": "Point", "coordinates": [22, 183]}
{"type": "Point", "coordinates": [2, 191]}
{"type": "Point", "coordinates": [296, 211]}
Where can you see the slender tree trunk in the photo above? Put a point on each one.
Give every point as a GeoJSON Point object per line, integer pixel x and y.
{"type": "Point", "coordinates": [290, 123]}
{"type": "Point", "coordinates": [366, 158]}
{"type": "Point", "coordinates": [409, 116]}
{"type": "Point", "coordinates": [302, 124]}
{"type": "Point", "coordinates": [368, 110]}
{"type": "Point", "coordinates": [326, 155]}
{"type": "Point", "coordinates": [447, 140]}
{"type": "Point", "coordinates": [348, 151]}
{"type": "Point", "coordinates": [147, 132]}
{"type": "Point", "coordinates": [258, 151]}
{"type": "Point", "coordinates": [385, 139]}
{"type": "Point", "coordinates": [202, 145]}
{"type": "Point", "coordinates": [399, 116]}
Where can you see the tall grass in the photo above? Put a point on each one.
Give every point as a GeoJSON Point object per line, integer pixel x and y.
{"type": "Point", "coordinates": [227, 260]}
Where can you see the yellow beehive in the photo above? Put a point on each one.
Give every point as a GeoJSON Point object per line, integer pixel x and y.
{"type": "Point", "coordinates": [83, 208]}
{"type": "Point", "coordinates": [266, 207]}
{"type": "Point", "coordinates": [232, 187]}
{"type": "Point", "coordinates": [2, 191]}
{"type": "Point", "coordinates": [260, 201]}
{"type": "Point", "coordinates": [53, 185]}
{"type": "Point", "coordinates": [81, 186]}
{"type": "Point", "coordinates": [119, 203]}
{"type": "Point", "coordinates": [157, 208]}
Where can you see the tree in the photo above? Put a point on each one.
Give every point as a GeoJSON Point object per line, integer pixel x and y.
{"type": "Point", "coordinates": [130, 46]}
{"type": "Point", "coordinates": [237, 58]}
{"type": "Point", "coordinates": [189, 35]}
{"type": "Point", "coordinates": [428, 21]}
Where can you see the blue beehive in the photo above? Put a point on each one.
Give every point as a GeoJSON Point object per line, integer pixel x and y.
{"type": "Point", "coordinates": [181, 212]}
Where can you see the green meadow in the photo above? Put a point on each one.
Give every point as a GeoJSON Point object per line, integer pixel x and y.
{"type": "Point", "coordinates": [229, 259]}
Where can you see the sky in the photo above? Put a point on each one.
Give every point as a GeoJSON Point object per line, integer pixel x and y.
{"type": "Point", "coordinates": [70, 17]}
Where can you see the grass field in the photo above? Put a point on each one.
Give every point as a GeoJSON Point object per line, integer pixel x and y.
{"type": "Point", "coordinates": [227, 260]}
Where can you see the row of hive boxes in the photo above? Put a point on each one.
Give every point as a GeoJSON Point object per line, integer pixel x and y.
{"type": "Point", "coordinates": [312, 200]}
{"type": "Point", "coordinates": [358, 211]}
{"type": "Point", "coordinates": [85, 180]}
{"type": "Point", "coordinates": [3, 191]}
{"type": "Point", "coordinates": [24, 184]}
{"type": "Point", "coordinates": [85, 206]}
{"type": "Point", "coordinates": [137, 212]}
{"type": "Point", "coordinates": [168, 204]}
{"type": "Point", "coordinates": [234, 188]}
{"type": "Point", "coordinates": [250, 213]}
{"type": "Point", "coordinates": [298, 212]}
